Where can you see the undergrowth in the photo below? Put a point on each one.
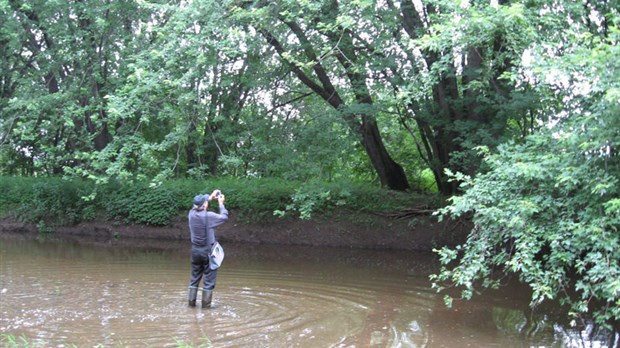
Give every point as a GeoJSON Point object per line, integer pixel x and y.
{"type": "Point", "coordinates": [50, 202]}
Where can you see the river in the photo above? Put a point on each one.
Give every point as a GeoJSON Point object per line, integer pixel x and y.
{"type": "Point", "coordinates": [56, 293]}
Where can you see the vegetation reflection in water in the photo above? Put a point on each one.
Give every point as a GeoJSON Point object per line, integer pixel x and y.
{"type": "Point", "coordinates": [64, 294]}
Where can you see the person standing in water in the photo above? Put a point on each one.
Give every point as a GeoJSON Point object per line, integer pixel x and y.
{"type": "Point", "coordinates": [202, 225]}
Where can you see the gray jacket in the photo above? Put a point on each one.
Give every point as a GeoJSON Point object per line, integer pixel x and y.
{"type": "Point", "coordinates": [202, 225]}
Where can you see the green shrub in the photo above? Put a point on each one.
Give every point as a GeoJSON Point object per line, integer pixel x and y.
{"type": "Point", "coordinates": [55, 201]}
{"type": "Point", "coordinates": [252, 199]}
{"type": "Point", "coordinates": [183, 190]}
{"type": "Point", "coordinates": [257, 199]}
{"type": "Point", "coordinates": [319, 197]}
{"type": "Point", "coordinates": [15, 190]}
{"type": "Point", "coordinates": [141, 204]}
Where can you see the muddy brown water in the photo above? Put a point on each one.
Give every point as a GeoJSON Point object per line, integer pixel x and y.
{"type": "Point", "coordinates": [56, 293]}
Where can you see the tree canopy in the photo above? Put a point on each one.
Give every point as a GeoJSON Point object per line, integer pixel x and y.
{"type": "Point", "coordinates": [384, 91]}
{"type": "Point", "coordinates": [547, 208]}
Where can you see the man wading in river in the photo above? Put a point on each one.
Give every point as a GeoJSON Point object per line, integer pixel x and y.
{"type": "Point", "coordinates": [202, 225]}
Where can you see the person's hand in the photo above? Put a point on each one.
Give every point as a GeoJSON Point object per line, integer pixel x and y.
{"type": "Point", "coordinates": [221, 198]}
{"type": "Point", "coordinates": [215, 194]}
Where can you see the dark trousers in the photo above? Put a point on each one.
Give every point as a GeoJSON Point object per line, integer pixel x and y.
{"type": "Point", "coordinates": [200, 268]}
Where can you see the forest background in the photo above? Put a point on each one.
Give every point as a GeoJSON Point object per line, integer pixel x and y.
{"type": "Point", "coordinates": [508, 111]}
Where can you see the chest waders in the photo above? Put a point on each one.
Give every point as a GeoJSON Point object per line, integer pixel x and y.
{"type": "Point", "coordinates": [200, 268]}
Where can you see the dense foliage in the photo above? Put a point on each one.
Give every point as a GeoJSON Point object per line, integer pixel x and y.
{"type": "Point", "coordinates": [548, 208]}
{"type": "Point", "coordinates": [351, 89]}
{"type": "Point", "coordinates": [49, 202]}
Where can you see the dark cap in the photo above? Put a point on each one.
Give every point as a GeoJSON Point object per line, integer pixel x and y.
{"type": "Point", "coordinates": [199, 200]}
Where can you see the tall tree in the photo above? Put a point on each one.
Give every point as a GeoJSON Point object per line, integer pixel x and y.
{"type": "Point", "coordinates": [307, 35]}
{"type": "Point", "coordinates": [452, 77]}
{"type": "Point", "coordinates": [66, 58]}
{"type": "Point", "coordinates": [548, 208]}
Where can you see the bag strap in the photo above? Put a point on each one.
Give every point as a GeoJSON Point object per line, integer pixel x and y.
{"type": "Point", "coordinates": [206, 228]}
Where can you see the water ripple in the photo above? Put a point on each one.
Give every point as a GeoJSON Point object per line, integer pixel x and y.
{"type": "Point", "coordinates": [88, 296]}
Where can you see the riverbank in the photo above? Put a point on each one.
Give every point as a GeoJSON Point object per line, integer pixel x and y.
{"type": "Point", "coordinates": [341, 228]}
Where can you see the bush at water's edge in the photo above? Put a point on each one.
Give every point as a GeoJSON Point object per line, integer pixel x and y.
{"type": "Point", "coordinates": [57, 202]}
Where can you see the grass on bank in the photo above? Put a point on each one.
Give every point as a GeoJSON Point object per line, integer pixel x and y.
{"type": "Point", "coordinates": [53, 201]}
{"type": "Point", "coordinates": [12, 341]}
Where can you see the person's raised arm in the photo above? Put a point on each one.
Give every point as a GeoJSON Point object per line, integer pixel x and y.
{"type": "Point", "coordinates": [218, 219]}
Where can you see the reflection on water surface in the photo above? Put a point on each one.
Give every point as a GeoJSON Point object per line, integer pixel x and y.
{"type": "Point", "coordinates": [57, 292]}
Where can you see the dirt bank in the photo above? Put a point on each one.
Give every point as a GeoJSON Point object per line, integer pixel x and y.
{"type": "Point", "coordinates": [340, 229]}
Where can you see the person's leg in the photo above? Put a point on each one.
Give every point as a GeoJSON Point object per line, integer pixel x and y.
{"type": "Point", "coordinates": [209, 276]}
{"type": "Point", "coordinates": [197, 271]}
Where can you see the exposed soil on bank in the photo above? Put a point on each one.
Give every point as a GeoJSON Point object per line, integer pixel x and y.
{"type": "Point", "coordinates": [340, 229]}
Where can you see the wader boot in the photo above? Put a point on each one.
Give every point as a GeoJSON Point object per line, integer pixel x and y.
{"type": "Point", "coordinates": [206, 298]}
{"type": "Point", "coordinates": [193, 293]}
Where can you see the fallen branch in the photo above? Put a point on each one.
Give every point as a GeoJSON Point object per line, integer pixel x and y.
{"type": "Point", "coordinates": [409, 212]}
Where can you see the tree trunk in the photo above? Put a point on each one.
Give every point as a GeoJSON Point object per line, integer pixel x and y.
{"type": "Point", "coordinates": [390, 173]}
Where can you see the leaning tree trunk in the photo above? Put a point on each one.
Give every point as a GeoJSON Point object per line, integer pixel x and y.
{"type": "Point", "coordinates": [390, 173]}
{"type": "Point", "coordinates": [449, 105]}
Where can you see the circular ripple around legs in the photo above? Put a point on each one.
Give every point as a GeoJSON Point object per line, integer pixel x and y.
{"type": "Point", "coordinates": [285, 312]}
{"type": "Point", "coordinates": [134, 299]}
